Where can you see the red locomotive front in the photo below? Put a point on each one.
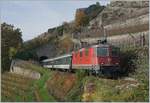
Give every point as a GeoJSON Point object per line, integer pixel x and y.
{"type": "Point", "coordinates": [96, 58]}
{"type": "Point", "coordinates": [108, 55]}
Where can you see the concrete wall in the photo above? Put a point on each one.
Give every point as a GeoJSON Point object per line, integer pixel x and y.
{"type": "Point", "coordinates": [25, 72]}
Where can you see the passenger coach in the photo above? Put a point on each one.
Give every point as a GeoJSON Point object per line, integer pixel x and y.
{"type": "Point", "coordinates": [62, 62]}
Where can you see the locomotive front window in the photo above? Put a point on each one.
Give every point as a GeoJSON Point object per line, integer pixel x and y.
{"type": "Point", "coordinates": [102, 51]}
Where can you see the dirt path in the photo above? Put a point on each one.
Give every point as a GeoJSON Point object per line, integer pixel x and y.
{"type": "Point", "coordinates": [60, 84]}
{"type": "Point", "coordinates": [89, 89]}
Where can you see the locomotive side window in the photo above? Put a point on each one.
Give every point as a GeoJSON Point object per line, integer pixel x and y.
{"type": "Point", "coordinates": [102, 51]}
{"type": "Point", "coordinates": [115, 51]}
{"type": "Point", "coordinates": [66, 60]}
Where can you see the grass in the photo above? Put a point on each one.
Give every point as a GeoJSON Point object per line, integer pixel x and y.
{"type": "Point", "coordinates": [107, 90]}
{"type": "Point", "coordinates": [15, 87]}
{"type": "Point", "coordinates": [142, 75]}
{"type": "Point", "coordinates": [46, 97]}
{"type": "Point", "coordinates": [18, 98]}
{"type": "Point", "coordinates": [75, 94]}
{"type": "Point", "coordinates": [40, 84]}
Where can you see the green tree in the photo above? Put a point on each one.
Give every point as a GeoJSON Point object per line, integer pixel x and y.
{"type": "Point", "coordinates": [12, 52]}
{"type": "Point", "coordinates": [11, 42]}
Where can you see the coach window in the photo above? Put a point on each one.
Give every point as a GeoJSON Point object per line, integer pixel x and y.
{"type": "Point", "coordinates": [51, 62]}
{"type": "Point", "coordinates": [59, 61]}
{"type": "Point", "coordinates": [69, 59]}
{"type": "Point", "coordinates": [62, 61]}
{"type": "Point", "coordinates": [65, 60]}
{"type": "Point", "coordinates": [56, 62]}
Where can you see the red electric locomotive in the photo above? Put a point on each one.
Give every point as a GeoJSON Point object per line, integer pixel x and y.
{"type": "Point", "coordinates": [98, 58]}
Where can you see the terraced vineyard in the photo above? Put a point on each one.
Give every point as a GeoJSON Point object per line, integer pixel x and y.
{"type": "Point", "coordinates": [15, 87]}
{"type": "Point", "coordinates": [23, 88]}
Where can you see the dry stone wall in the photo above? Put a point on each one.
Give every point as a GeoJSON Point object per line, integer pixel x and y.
{"type": "Point", "coordinates": [17, 69]}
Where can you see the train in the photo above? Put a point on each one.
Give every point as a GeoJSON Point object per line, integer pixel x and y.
{"type": "Point", "coordinates": [98, 59]}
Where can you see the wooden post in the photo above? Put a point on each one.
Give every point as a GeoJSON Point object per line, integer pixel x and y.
{"type": "Point", "coordinates": [143, 40]}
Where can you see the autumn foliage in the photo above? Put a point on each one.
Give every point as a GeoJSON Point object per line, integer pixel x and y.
{"type": "Point", "coordinates": [65, 45]}
{"type": "Point", "coordinates": [81, 18]}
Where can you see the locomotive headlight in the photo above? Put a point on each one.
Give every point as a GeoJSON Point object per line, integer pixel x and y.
{"type": "Point", "coordinates": [109, 60]}
{"type": "Point", "coordinates": [117, 63]}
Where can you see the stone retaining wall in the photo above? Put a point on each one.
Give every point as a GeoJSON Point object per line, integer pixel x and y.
{"type": "Point", "coordinates": [25, 72]}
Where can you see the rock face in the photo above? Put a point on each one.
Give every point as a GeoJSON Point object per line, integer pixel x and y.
{"type": "Point", "coordinates": [118, 11]}
{"type": "Point", "coordinates": [132, 4]}
{"type": "Point", "coordinates": [133, 25]}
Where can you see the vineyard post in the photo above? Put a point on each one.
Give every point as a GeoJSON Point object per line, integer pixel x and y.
{"type": "Point", "coordinates": [143, 40]}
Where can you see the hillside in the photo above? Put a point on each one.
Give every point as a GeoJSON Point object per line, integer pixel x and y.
{"type": "Point", "coordinates": [118, 18]}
